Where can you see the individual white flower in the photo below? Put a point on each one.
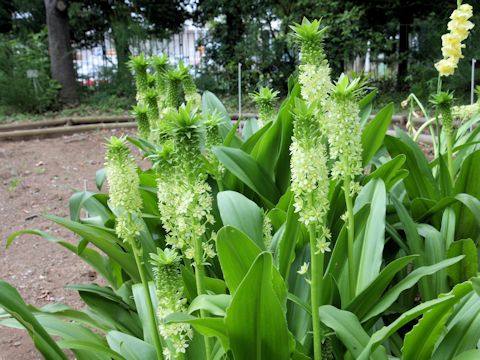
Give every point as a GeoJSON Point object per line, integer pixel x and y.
{"type": "Point", "coordinates": [303, 269]}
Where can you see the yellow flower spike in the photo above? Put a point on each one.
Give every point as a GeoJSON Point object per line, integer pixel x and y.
{"type": "Point", "coordinates": [452, 46]}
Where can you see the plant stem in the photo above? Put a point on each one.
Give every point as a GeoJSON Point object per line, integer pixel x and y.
{"type": "Point", "coordinates": [315, 292]}
{"type": "Point", "coordinates": [151, 311]}
{"type": "Point", "coordinates": [351, 236]}
{"type": "Point", "coordinates": [219, 184]}
{"type": "Point", "coordinates": [200, 282]}
{"type": "Point", "coordinates": [450, 154]}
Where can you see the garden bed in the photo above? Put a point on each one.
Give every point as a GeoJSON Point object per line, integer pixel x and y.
{"type": "Point", "coordinates": [36, 177]}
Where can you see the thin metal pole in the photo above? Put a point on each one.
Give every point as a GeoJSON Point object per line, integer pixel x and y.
{"type": "Point", "coordinates": [472, 85]}
{"type": "Point", "coordinates": [239, 91]}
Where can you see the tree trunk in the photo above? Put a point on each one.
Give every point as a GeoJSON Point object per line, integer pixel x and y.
{"type": "Point", "coordinates": [61, 60]}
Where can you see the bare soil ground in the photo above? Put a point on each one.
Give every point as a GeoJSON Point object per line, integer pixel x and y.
{"type": "Point", "coordinates": [37, 177]}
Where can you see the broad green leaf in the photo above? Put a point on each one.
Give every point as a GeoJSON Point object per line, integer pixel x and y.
{"type": "Point", "coordinates": [100, 177]}
{"type": "Point", "coordinates": [420, 181]}
{"type": "Point", "coordinates": [208, 326]}
{"type": "Point", "coordinates": [420, 341]}
{"type": "Point", "coordinates": [467, 183]}
{"type": "Point", "coordinates": [366, 299]}
{"type": "Point", "coordinates": [236, 252]}
{"type": "Point", "coordinates": [238, 211]}
{"type": "Point", "coordinates": [215, 304]}
{"type": "Point", "coordinates": [374, 133]}
{"type": "Point", "coordinates": [410, 280]}
{"type": "Point", "coordinates": [468, 355]}
{"type": "Point", "coordinates": [468, 267]}
{"type": "Point", "coordinates": [369, 250]}
{"type": "Point", "coordinates": [12, 302]}
{"type": "Point", "coordinates": [130, 347]}
{"type": "Point", "coordinates": [98, 212]}
{"type": "Point", "coordinates": [90, 346]}
{"type": "Point", "coordinates": [104, 240]}
{"type": "Point", "coordinates": [112, 311]}
{"type": "Point", "coordinates": [390, 172]}
{"type": "Point", "coordinates": [384, 333]}
{"type": "Point", "coordinates": [250, 127]}
{"type": "Point", "coordinates": [462, 331]}
{"type": "Point", "coordinates": [254, 312]}
{"type": "Point", "coordinates": [286, 249]}
{"type": "Point", "coordinates": [100, 263]}
{"type": "Point", "coordinates": [138, 292]}
{"type": "Point", "coordinates": [366, 106]}
{"type": "Point", "coordinates": [249, 171]}
{"type": "Point", "coordinates": [348, 330]}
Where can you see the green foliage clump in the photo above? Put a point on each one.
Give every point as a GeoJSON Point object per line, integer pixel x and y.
{"type": "Point", "coordinates": [25, 83]}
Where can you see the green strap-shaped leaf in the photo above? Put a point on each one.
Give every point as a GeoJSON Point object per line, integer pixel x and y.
{"type": "Point", "coordinates": [462, 330]}
{"type": "Point", "coordinates": [348, 330]}
{"type": "Point", "coordinates": [420, 341]}
{"type": "Point", "coordinates": [256, 324]}
{"type": "Point", "coordinates": [420, 181]}
{"type": "Point", "coordinates": [12, 302]}
{"type": "Point", "coordinates": [384, 333]}
{"type": "Point", "coordinates": [249, 171]}
{"type": "Point", "coordinates": [286, 249]}
{"type": "Point", "coordinates": [238, 211]}
{"type": "Point", "coordinates": [100, 263]}
{"type": "Point", "coordinates": [369, 249]}
{"type": "Point", "coordinates": [374, 133]}
{"type": "Point", "coordinates": [102, 239]}
{"type": "Point", "coordinates": [411, 279]}
{"type": "Point", "coordinates": [130, 347]}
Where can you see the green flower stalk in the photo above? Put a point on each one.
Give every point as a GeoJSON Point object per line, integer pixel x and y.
{"type": "Point", "coordinates": [314, 71]}
{"type": "Point", "coordinates": [143, 124]}
{"type": "Point", "coordinates": [310, 186]}
{"type": "Point", "coordinates": [189, 88]}
{"type": "Point", "coordinates": [265, 100]}
{"type": "Point", "coordinates": [126, 202]}
{"type": "Point", "coordinates": [444, 101]}
{"type": "Point", "coordinates": [345, 143]}
{"type": "Point", "coordinates": [139, 65]}
{"type": "Point", "coordinates": [169, 285]}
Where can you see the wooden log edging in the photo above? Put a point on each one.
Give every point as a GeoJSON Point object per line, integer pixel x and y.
{"type": "Point", "coordinates": [63, 130]}
{"type": "Point", "coordinates": [71, 125]}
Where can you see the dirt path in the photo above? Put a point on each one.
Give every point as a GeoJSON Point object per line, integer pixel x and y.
{"type": "Point", "coordinates": [38, 177]}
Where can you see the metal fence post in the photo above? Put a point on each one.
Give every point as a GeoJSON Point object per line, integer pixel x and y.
{"type": "Point", "coordinates": [472, 85]}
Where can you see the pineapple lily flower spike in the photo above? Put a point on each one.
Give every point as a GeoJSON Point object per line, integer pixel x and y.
{"type": "Point", "coordinates": [139, 65]}
{"type": "Point", "coordinates": [265, 99]}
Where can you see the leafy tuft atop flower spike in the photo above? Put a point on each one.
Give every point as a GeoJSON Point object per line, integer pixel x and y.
{"type": "Point", "coordinates": [310, 37]}
{"type": "Point", "coordinates": [139, 65]}
{"type": "Point", "coordinates": [314, 72]}
{"type": "Point", "coordinates": [184, 122]}
{"type": "Point", "coordinates": [174, 78]}
{"type": "Point", "coordinates": [265, 99]}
